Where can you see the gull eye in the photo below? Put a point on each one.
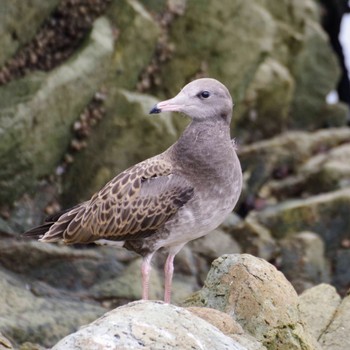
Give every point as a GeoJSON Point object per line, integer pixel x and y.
{"type": "Point", "coordinates": [204, 94]}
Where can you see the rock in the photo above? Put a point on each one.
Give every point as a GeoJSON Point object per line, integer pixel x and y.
{"type": "Point", "coordinates": [5, 343]}
{"type": "Point", "coordinates": [15, 33]}
{"type": "Point", "coordinates": [318, 214]}
{"type": "Point", "coordinates": [125, 136]}
{"type": "Point", "coordinates": [66, 268]}
{"type": "Point", "coordinates": [327, 171]}
{"type": "Point", "coordinates": [213, 56]}
{"type": "Point", "coordinates": [341, 273]}
{"type": "Point", "coordinates": [127, 286]}
{"type": "Point", "coordinates": [307, 110]}
{"type": "Point", "coordinates": [318, 307]}
{"type": "Point", "coordinates": [268, 99]}
{"type": "Point", "coordinates": [26, 317]}
{"type": "Point", "coordinates": [25, 150]}
{"type": "Point", "coordinates": [336, 336]}
{"type": "Point", "coordinates": [166, 326]}
{"type": "Point", "coordinates": [218, 319]}
{"type": "Point", "coordinates": [215, 244]}
{"type": "Point", "coordinates": [227, 326]}
{"type": "Point", "coordinates": [272, 158]}
{"type": "Point", "coordinates": [259, 297]}
{"type": "Point", "coordinates": [254, 239]}
{"type": "Point", "coordinates": [138, 34]}
{"type": "Point", "coordinates": [263, 78]}
{"type": "Point", "coordinates": [302, 260]}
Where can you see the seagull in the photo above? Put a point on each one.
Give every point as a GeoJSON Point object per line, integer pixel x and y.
{"type": "Point", "coordinates": [169, 199]}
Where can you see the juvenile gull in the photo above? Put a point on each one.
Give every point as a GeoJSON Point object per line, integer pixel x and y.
{"type": "Point", "coordinates": [167, 200]}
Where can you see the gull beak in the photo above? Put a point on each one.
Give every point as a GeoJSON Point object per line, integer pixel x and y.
{"type": "Point", "coordinates": [171, 105]}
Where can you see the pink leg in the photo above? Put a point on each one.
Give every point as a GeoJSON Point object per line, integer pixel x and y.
{"type": "Point", "coordinates": [168, 271]}
{"type": "Point", "coordinates": [145, 271]}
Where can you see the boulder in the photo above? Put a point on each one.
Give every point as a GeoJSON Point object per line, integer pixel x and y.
{"type": "Point", "coordinates": [146, 324]}
{"type": "Point", "coordinates": [318, 306]}
{"type": "Point", "coordinates": [336, 336]}
{"type": "Point", "coordinates": [309, 105]}
{"type": "Point", "coordinates": [66, 268]}
{"type": "Point", "coordinates": [253, 238]}
{"type": "Point", "coordinates": [303, 261]}
{"type": "Point", "coordinates": [127, 286]}
{"type": "Point", "coordinates": [324, 214]}
{"type": "Point", "coordinates": [327, 171]}
{"type": "Point", "coordinates": [227, 326]}
{"type": "Point", "coordinates": [15, 33]}
{"type": "Point", "coordinates": [5, 343]}
{"type": "Point", "coordinates": [215, 53]}
{"type": "Point", "coordinates": [138, 34]}
{"type": "Point", "coordinates": [27, 317]}
{"type": "Point", "coordinates": [31, 143]}
{"type": "Point", "coordinates": [258, 297]}
{"type": "Point", "coordinates": [268, 98]}
{"type": "Point", "coordinates": [273, 159]}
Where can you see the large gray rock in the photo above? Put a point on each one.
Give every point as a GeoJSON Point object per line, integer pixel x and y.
{"type": "Point", "coordinates": [336, 336]}
{"type": "Point", "coordinates": [303, 260]}
{"type": "Point", "coordinates": [150, 325]}
{"type": "Point", "coordinates": [227, 326]}
{"type": "Point", "coordinates": [309, 103]}
{"type": "Point", "coordinates": [266, 159]}
{"type": "Point", "coordinates": [214, 53]}
{"type": "Point", "coordinates": [14, 32]}
{"type": "Point", "coordinates": [254, 238]}
{"type": "Point", "coordinates": [268, 100]}
{"type": "Point", "coordinates": [325, 214]}
{"type": "Point", "coordinates": [62, 267]}
{"type": "Point", "coordinates": [258, 297]}
{"type": "Point", "coordinates": [138, 34]}
{"type": "Point", "coordinates": [27, 317]}
{"type": "Point", "coordinates": [36, 113]}
{"type": "Point", "coordinates": [267, 85]}
{"type": "Point", "coordinates": [318, 306]}
{"type": "Point", "coordinates": [127, 286]}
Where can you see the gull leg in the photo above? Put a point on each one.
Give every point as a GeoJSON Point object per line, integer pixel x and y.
{"type": "Point", "coordinates": [145, 271]}
{"type": "Point", "coordinates": [168, 271]}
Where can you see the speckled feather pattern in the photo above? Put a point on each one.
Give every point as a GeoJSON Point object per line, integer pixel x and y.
{"type": "Point", "coordinates": [134, 204]}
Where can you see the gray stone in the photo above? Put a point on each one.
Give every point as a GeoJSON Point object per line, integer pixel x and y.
{"type": "Point", "coordinates": [320, 214]}
{"type": "Point", "coordinates": [5, 343]}
{"type": "Point", "coordinates": [148, 325]}
{"type": "Point", "coordinates": [262, 159]}
{"type": "Point", "coordinates": [336, 336]}
{"type": "Point", "coordinates": [215, 244]}
{"type": "Point", "coordinates": [127, 286]}
{"type": "Point", "coordinates": [27, 317]}
{"type": "Point", "coordinates": [227, 326]}
{"type": "Point", "coordinates": [303, 261]}
{"type": "Point", "coordinates": [259, 297]}
{"type": "Point", "coordinates": [215, 50]}
{"type": "Point", "coordinates": [318, 307]}
{"type": "Point", "coordinates": [307, 111]}
{"type": "Point", "coordinates": [137, 40]}
{"type": "Point", "coordinates": [327, 171]}
{"type": "Point", "coordinates": [62, 267]}
{"type": "Point", "coordinates": [32, 143]}
{"type": "Point", "coordinates": [254, 239]}
{"type": "Point", "coordinates": [268, 99]}
{"type": "Point", "coordinates": [14, 32]}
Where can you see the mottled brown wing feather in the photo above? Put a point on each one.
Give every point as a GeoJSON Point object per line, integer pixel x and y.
{"type": "Point", "coordinates": [136, 202]}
